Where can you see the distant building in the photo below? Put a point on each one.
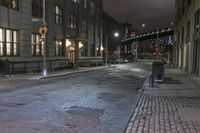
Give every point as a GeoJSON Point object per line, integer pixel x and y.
{"type": "Point", "coordinates": [128, 49]}
{"type": "Point", "coordinates": [110, 27]}
{"type": "Point", "coordinates": [187, 36]}
{"type": "Point", "coordinates": [75, 32]}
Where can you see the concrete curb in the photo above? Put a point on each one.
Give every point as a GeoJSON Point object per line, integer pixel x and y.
{"type": "Point", "coordinates": [66, 73]}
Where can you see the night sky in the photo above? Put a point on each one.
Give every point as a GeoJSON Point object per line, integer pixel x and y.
{"type": "Point", "coordinates": [154, 13]}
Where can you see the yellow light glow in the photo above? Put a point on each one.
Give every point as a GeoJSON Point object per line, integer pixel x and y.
{"type": "Point", "coordinates": [68, 43]}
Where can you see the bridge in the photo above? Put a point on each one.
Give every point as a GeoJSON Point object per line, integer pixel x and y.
{"type": "Point", "coordinates": [150, 35]}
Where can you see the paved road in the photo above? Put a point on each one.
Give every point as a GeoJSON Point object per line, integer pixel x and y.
{"type": "Point", "coordinates": [94, 102]}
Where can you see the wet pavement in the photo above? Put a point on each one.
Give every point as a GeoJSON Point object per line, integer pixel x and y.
{"type": "Point", "coordinates": [100, 101]}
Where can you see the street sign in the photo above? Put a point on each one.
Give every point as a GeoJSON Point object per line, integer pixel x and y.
{"type": "Point", "coordinates": [43, 30]}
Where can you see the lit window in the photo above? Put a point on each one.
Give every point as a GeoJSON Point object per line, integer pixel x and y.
{"type": "Point", "coordinates": [58, 48]}
{"type": "Point", "coordinates": [9, 42]}
{"type": "Point", "coordinates": [58, 15]}
{"type": "Point", "coordinates": [85, 4]}
{"type": "Point", "coordinates": [13, 4]}
{"type": "Point", "coordinates": [37, 46]}
{"type": "Point", "coordinates": [75, 1]}
{"type": "Point", "coordinates": [73, 21]}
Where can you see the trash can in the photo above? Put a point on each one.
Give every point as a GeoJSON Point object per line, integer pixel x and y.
{"type": "Point", "coordinates": [158, 72]}
{"type": "Point", "coordinates": [7, 67]}
{"type": "Point", "coordinates": [2, 67]}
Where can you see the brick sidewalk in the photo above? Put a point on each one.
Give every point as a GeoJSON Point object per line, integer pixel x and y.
{"type": "Point", "coordinates": [166, 114]}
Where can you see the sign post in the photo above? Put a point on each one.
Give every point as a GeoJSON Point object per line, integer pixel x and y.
{"type": "Point", "coordinates": [43, 31]}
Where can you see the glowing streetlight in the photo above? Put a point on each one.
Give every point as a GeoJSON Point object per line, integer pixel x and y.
{"type": "Point", "coordinates": [116, 34]}
{"type": "Point", "coordinates": [143, 25]}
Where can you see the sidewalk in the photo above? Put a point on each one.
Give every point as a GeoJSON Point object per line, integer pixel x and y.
{"type": "Point", "coordinates": [171, 107]}
{"type": "Point", "coordinates": [38, 76]}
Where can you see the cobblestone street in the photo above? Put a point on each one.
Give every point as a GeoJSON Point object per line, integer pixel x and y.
{"type": "Point", "coordinates": [166, 114]}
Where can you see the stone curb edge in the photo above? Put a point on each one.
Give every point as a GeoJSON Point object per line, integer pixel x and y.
{"type": "Point", "coordinates": [64, 74]}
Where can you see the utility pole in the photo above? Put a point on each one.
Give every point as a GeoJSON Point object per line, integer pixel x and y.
{"type": "Point", "coordinates": [76, 63]}
{"type": "Point", "coordinates": [136, 51]}
{"type": "Point", "coordinates": [106, 52]}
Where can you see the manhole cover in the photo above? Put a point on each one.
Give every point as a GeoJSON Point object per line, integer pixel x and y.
{"type": "Point", "coordinates": [78, 117]}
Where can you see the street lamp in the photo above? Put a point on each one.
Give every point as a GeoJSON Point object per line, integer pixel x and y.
{"type": "Point", "coordinates": [116, 34]}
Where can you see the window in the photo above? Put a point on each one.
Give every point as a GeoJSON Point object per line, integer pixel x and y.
{"type": "Point", "coordinates": [37, 46]}
{"type": "Point", "coordinates": [13, 4]}
{"type": "Point", "coordinates": [189, 2]}
{"type": "Point", "coordinates": [197, 22]}
{"type": "Point", "coordinates": [58, 15]}
{"type": "Point", "coordinates": [85, 4]}
{"type": "Point", "coordinates": [75, 1]}
{"type": "Point", "coordinates": [84, 26]}
{"type": "Point", "coordinates": [58, 48]}
{"type": "Point", "coordinates": [9, 42]}
{"type": "Point", "coordinates": [37, 8]}
{"type": "Point", "coordinates": [92, 6]}
{"type": "Point", "coordinates": [188, 32]}
{"type": "Point", "coordinates": [183, 6]}
{"type": "Point", "coordinates": [73, 21]}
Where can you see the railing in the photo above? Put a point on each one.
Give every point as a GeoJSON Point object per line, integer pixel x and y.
{"type": "Point", "coordinates": [33, 66]}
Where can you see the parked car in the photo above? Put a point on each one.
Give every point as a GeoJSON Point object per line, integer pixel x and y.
{"type": "Point", "coordinates": [117, 61]}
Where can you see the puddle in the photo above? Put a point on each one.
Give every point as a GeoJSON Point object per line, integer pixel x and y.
{"type": "Point", "coordinates": [12, 104]}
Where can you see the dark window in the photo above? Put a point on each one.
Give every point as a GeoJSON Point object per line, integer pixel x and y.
{"type": "Point", "coordinates": [197, 22]}
{"type": "Point", "coordinates": [13, 4]}
{"type": "Point", "coordinates": [37, 46]}
{"type": "Point", "coordinates": [37, 8]}
{"type": "Point", "coordinates": [92, 6]}
{"type": "Point", "coordinates": [72, 21]}
{"type": "Point", "coordinates": [58, 15]}
{"type": "Point", "coordinates": [9, 42]}
{"type": "Point", "coordinates": [183, 6]}
{"type": "Point", "coordinates": [84, 26]}
{"type": "Point", "coordinates": [189, 2]}
{"type": "Point", "coordinates": [188, 32]}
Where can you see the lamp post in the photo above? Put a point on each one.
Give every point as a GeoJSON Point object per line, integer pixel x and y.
{"type": "Point", "coordinates": [116, 34]}
{"type": "Point", "coordinates": [136, 47]}
{"type": "Point", "coordinates": [44, 71]}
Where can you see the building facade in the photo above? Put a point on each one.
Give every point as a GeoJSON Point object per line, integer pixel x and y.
{"type": "Point", "coordinates": [111, 43]}
{"type": "Point", "coordinates": [187, 36]}
{"type": "Point", "coordinates": [75, 33]}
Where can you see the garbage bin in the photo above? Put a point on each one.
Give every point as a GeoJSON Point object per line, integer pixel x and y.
{"type": "Point", "coordinates": [158, 72]}
{"type": "Point", "coordinates": [7, 67]}
{"type": "Point", "coordinates": [1, 66]}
